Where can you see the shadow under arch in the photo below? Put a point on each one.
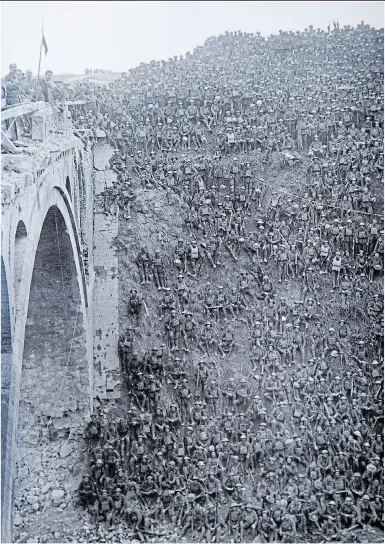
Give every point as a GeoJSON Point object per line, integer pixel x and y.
{"type": "Point", "coordinates": [77, 242]}
{"type": "Point", "coordinates": [20, 252]}
{"type": "Point", "coordinates": [68, 187]}
{"type": "Point", "coordinates": [54, 380]}
{"type": "Point", "coordinates": [6, 331]}
{"type": "Point", "coordinates": [6, 369]}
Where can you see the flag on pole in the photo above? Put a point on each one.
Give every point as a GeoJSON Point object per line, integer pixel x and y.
{"type": "Point", "coordinates": [44, 44]}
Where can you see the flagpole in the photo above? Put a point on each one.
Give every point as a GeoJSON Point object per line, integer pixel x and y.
{"type": "Point", "coordinates": [41, 47]}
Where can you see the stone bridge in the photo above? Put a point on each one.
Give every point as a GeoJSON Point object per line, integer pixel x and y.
{"type": "Point", "coordinates": [46, 297]}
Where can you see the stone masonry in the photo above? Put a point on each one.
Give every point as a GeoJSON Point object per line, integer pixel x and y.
{"type": "Point", "coordinates": [105, 292]}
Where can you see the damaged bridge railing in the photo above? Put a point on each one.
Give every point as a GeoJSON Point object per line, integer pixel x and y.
{"type": "Point", "coordinates": [31, 120]}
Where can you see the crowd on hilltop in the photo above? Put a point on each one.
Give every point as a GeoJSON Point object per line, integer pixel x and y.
{"type": "Point", "coordinates": [290, 447]}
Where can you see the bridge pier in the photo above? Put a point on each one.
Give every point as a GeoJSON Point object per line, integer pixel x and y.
{"type": "Point", "coordinates": [105, 294]}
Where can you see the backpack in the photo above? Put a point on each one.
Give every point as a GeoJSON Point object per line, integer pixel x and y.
{"type": "Point", "coordinates": [93, 429]}
{"type": "Point", "coordinates": [194, 252]}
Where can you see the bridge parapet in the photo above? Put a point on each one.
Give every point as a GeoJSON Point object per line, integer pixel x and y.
{"type": "Point", "coordinates": [34, 121]}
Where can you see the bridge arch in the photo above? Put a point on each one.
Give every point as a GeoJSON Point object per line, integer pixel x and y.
{"type": "Point", "coordinates": [51, 344]}
{"type": "Point", "coordinates": [54, 344]}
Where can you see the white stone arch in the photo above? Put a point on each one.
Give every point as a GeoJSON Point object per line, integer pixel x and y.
{"type": "Point", "coordinates": [51, 196]}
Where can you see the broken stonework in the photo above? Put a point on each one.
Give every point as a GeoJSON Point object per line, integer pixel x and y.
{"type": "Point", "coordinates": [66, 449]}
{"type": "Point", "coordinates": [23, 472]}
{"type": "Point", "coordinates": [46, 488]}
{"type": "Point", "coordinates": [57, 495]}
{"type": "Point", "coordinates": [17, 520]}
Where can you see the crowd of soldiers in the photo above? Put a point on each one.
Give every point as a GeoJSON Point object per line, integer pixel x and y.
{"type": "Point", "coordinates": [258, 416]}
{"type": "Point", "coordinates": [68, 102]}
{"type": "Point", "coordinates": [18, 87]}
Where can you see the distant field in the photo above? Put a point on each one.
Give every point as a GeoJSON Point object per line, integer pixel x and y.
{"type": "Point", "coordinates": [97, 78]}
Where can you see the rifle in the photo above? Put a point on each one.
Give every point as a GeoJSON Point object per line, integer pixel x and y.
{"type": "Point", "coordinates": [145, 307]}
{"type": "Point", "coordinates": [342, 531]}
{"type": "Point", "coordinates": [149, 532]}
{"type": "Point", "coordinates": [229, 224]}
{"type": "Point", "coordinates": [378, 392]}
{"type": "Point", "coordinates": [326, 410]}
{"type": "Point", "coordinates": [135, 397]}
{"type": "Point", "coordinates": [216, 511]}
{"type": "Point", "coordinates": [207, 346]}
{"type": "Point", "coordinates": [97, 519]}
{"type": "Point", "coordinates": [197, 380]}
{"type": "Point", "coordinates": [242, 532]}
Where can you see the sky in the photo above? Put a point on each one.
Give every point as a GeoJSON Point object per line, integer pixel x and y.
{"type": "Point", "coordinates": [119, 35]}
